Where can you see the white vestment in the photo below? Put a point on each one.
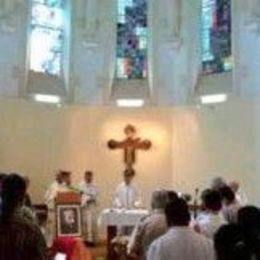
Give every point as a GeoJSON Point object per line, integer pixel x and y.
{"type": "Point", "coordinates": [181, 243]}
{"type": "Point", "coordinates": [209, 223]}
{"type": "Point", "coordinates": [127, 196]}
{"type": "Point", "coordinates": [50, 197]}
{"type": "Point", "coordinates": [89, 210]}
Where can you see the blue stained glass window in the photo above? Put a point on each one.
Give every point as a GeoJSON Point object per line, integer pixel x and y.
{"type": "Point", "coordinates": [132, 39]}
{"type": "Point", "coordinates": [47, 36]}
{"type": "Point", "coordinates": [216, 36]}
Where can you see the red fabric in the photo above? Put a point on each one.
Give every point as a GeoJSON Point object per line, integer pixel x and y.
{"type": "Point", "coordinates": [72, 247]}
{"type": "Point", "coordinates": [64, 245]}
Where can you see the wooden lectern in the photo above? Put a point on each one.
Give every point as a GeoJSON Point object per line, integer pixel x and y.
{"type": "Point", "coordinates": [70, 197]}
{"type": "Point", "coordinates": [68, 214]}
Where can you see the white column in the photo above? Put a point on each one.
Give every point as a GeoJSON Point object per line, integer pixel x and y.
{"type": "Point", "coordinates": [246, 38]}
{"type": "Point", "coordinates": [171, 15]}
{"type": "Point", "coordinates": [88, 16]}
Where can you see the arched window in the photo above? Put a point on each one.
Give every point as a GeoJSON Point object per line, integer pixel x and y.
{"type": "Point", "coordinates": [132, 39]}
{"type": "Point", "coordinates": [47, 36]}
{"type": "Point", "coordinates": [216, 36]}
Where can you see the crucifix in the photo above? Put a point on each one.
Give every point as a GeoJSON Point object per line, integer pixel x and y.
{"type": "Point", "coordinates": [130, 145]}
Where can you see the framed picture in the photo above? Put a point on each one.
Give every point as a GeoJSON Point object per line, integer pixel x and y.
{"type": "Point", "coordinates": [69, 220]}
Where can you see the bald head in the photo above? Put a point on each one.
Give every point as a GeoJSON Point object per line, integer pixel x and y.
{"type": "Point", "coordinates": [234, 185]}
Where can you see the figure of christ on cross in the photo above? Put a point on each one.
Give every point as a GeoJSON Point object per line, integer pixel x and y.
{"type": "Point", "coordinates": [130, 145]}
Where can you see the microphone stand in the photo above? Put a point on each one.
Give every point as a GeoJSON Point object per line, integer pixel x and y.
{"type": "Point", "coordinates": [195, 214]}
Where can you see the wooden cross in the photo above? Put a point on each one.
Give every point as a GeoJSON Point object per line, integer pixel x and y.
{"type": "Point", "coordinates": [130, 145]}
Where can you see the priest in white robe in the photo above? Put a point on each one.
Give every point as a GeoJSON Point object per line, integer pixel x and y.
{"type": "Point", "coordinates": [127, 195]}
{"type": "Point", "coordinates": [89, 198]}
{"type": "Point", "coordinates": [60, 184]}
{"type": "Point", "coordinates": [180, 242]}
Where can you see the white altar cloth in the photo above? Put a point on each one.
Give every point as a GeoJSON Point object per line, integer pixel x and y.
{"type": "Point", "coordinates": [121, 217]}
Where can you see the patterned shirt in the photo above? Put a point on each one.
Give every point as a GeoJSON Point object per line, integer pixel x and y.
{"type": "Point", "coordinates": [21, 240]}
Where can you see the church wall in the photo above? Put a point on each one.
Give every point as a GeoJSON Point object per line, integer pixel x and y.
{"type": "Point", "coordinates": [190, 145]}
{"type": "Point", "coordinates": [215, 141]}
{"type": "Point", "coordinates": [37, 140]}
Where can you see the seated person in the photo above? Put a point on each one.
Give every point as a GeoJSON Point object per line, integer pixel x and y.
{"type": "Point", "coordinates": [212, 218]}
{"type": "Point", "coordinates": [19, 238]}
{"type": "Point", "coordinates": [230, 205]}
{"type": "Point", "coordinates": [180, 242]}
{"type": "Point", "coordinates": [150, 227]}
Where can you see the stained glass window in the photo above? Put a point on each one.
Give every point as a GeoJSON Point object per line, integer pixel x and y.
{"type": "Point", "coordinates": [216, 36]}
{"type": "Point", "coordinates": [132, 39]}
{"type": "Point", "coordinates": [47, 35]}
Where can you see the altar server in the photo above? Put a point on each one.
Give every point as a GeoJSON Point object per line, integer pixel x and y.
{"type": "Point", "coordinates": [127, 195]}
{"type": "Point", "coordinates": [61, 184]}
{"type": "Point", "coordinates": [89, 198]}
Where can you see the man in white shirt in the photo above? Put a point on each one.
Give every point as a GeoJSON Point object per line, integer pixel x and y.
{"type": "Point", "coordinates": [212, 218]}
{"type": "Point", "coordinates": [60, 184]}
{"type": "Point", "coordinates": [180, 242]}
{"type": "Point", "coordinates": [89, 197]}
{"type": "Point", "coordinates": [127, 195]}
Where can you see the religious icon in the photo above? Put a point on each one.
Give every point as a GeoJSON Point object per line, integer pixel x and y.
{"type": "Point", "coordinates": [130, 145]}
{"type": "Point", "coordinates": [69, 220]}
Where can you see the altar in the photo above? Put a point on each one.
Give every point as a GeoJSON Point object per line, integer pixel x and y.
{"type": "Point", "coordinates": [114, 219]}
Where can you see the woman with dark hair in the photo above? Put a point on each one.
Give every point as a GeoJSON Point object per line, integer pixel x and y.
{"type": "Point", "coordinates": [230, 244]}
{"type": "Point", "coordinates": [19, 238]}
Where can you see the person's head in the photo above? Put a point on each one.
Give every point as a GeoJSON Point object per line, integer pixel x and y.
{"type": "Point", "coordinates": [13, 192]}
{"type": "Point", "coordinates": [130, 131]}
{"type": "Point", "coordinates": [129, 175]}
{"type": "Point", "coordinates": [177, 213]}
{"type": "Point", "coordinates": [211, 201]}
{"type": "Point", "coordinates": [234, 185]}
{"type": "Point", "coordinates": [230, 243]}
{"type": "Point", "coordinates": [159, 199]}
{"type": "Point", "coordinates": [58, 177]}
{"type": "Point", "coordinates": [227, 195]}
{"type": "Point", "coordinates": [172, 195]}
{"type": "Point", "coordinates": [218, 183]}
{"type": "Point", "coordinates": [69, 216]}
{"type": "Point", "coordinates": [66, 177]}
{"type": "Point", "coordinates": [249, 217]}
{"type": "Point", "coordinates": [88, 176]}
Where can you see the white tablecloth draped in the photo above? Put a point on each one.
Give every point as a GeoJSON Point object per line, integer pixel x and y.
{"type": "Point", "coordinates": [121, 217]}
